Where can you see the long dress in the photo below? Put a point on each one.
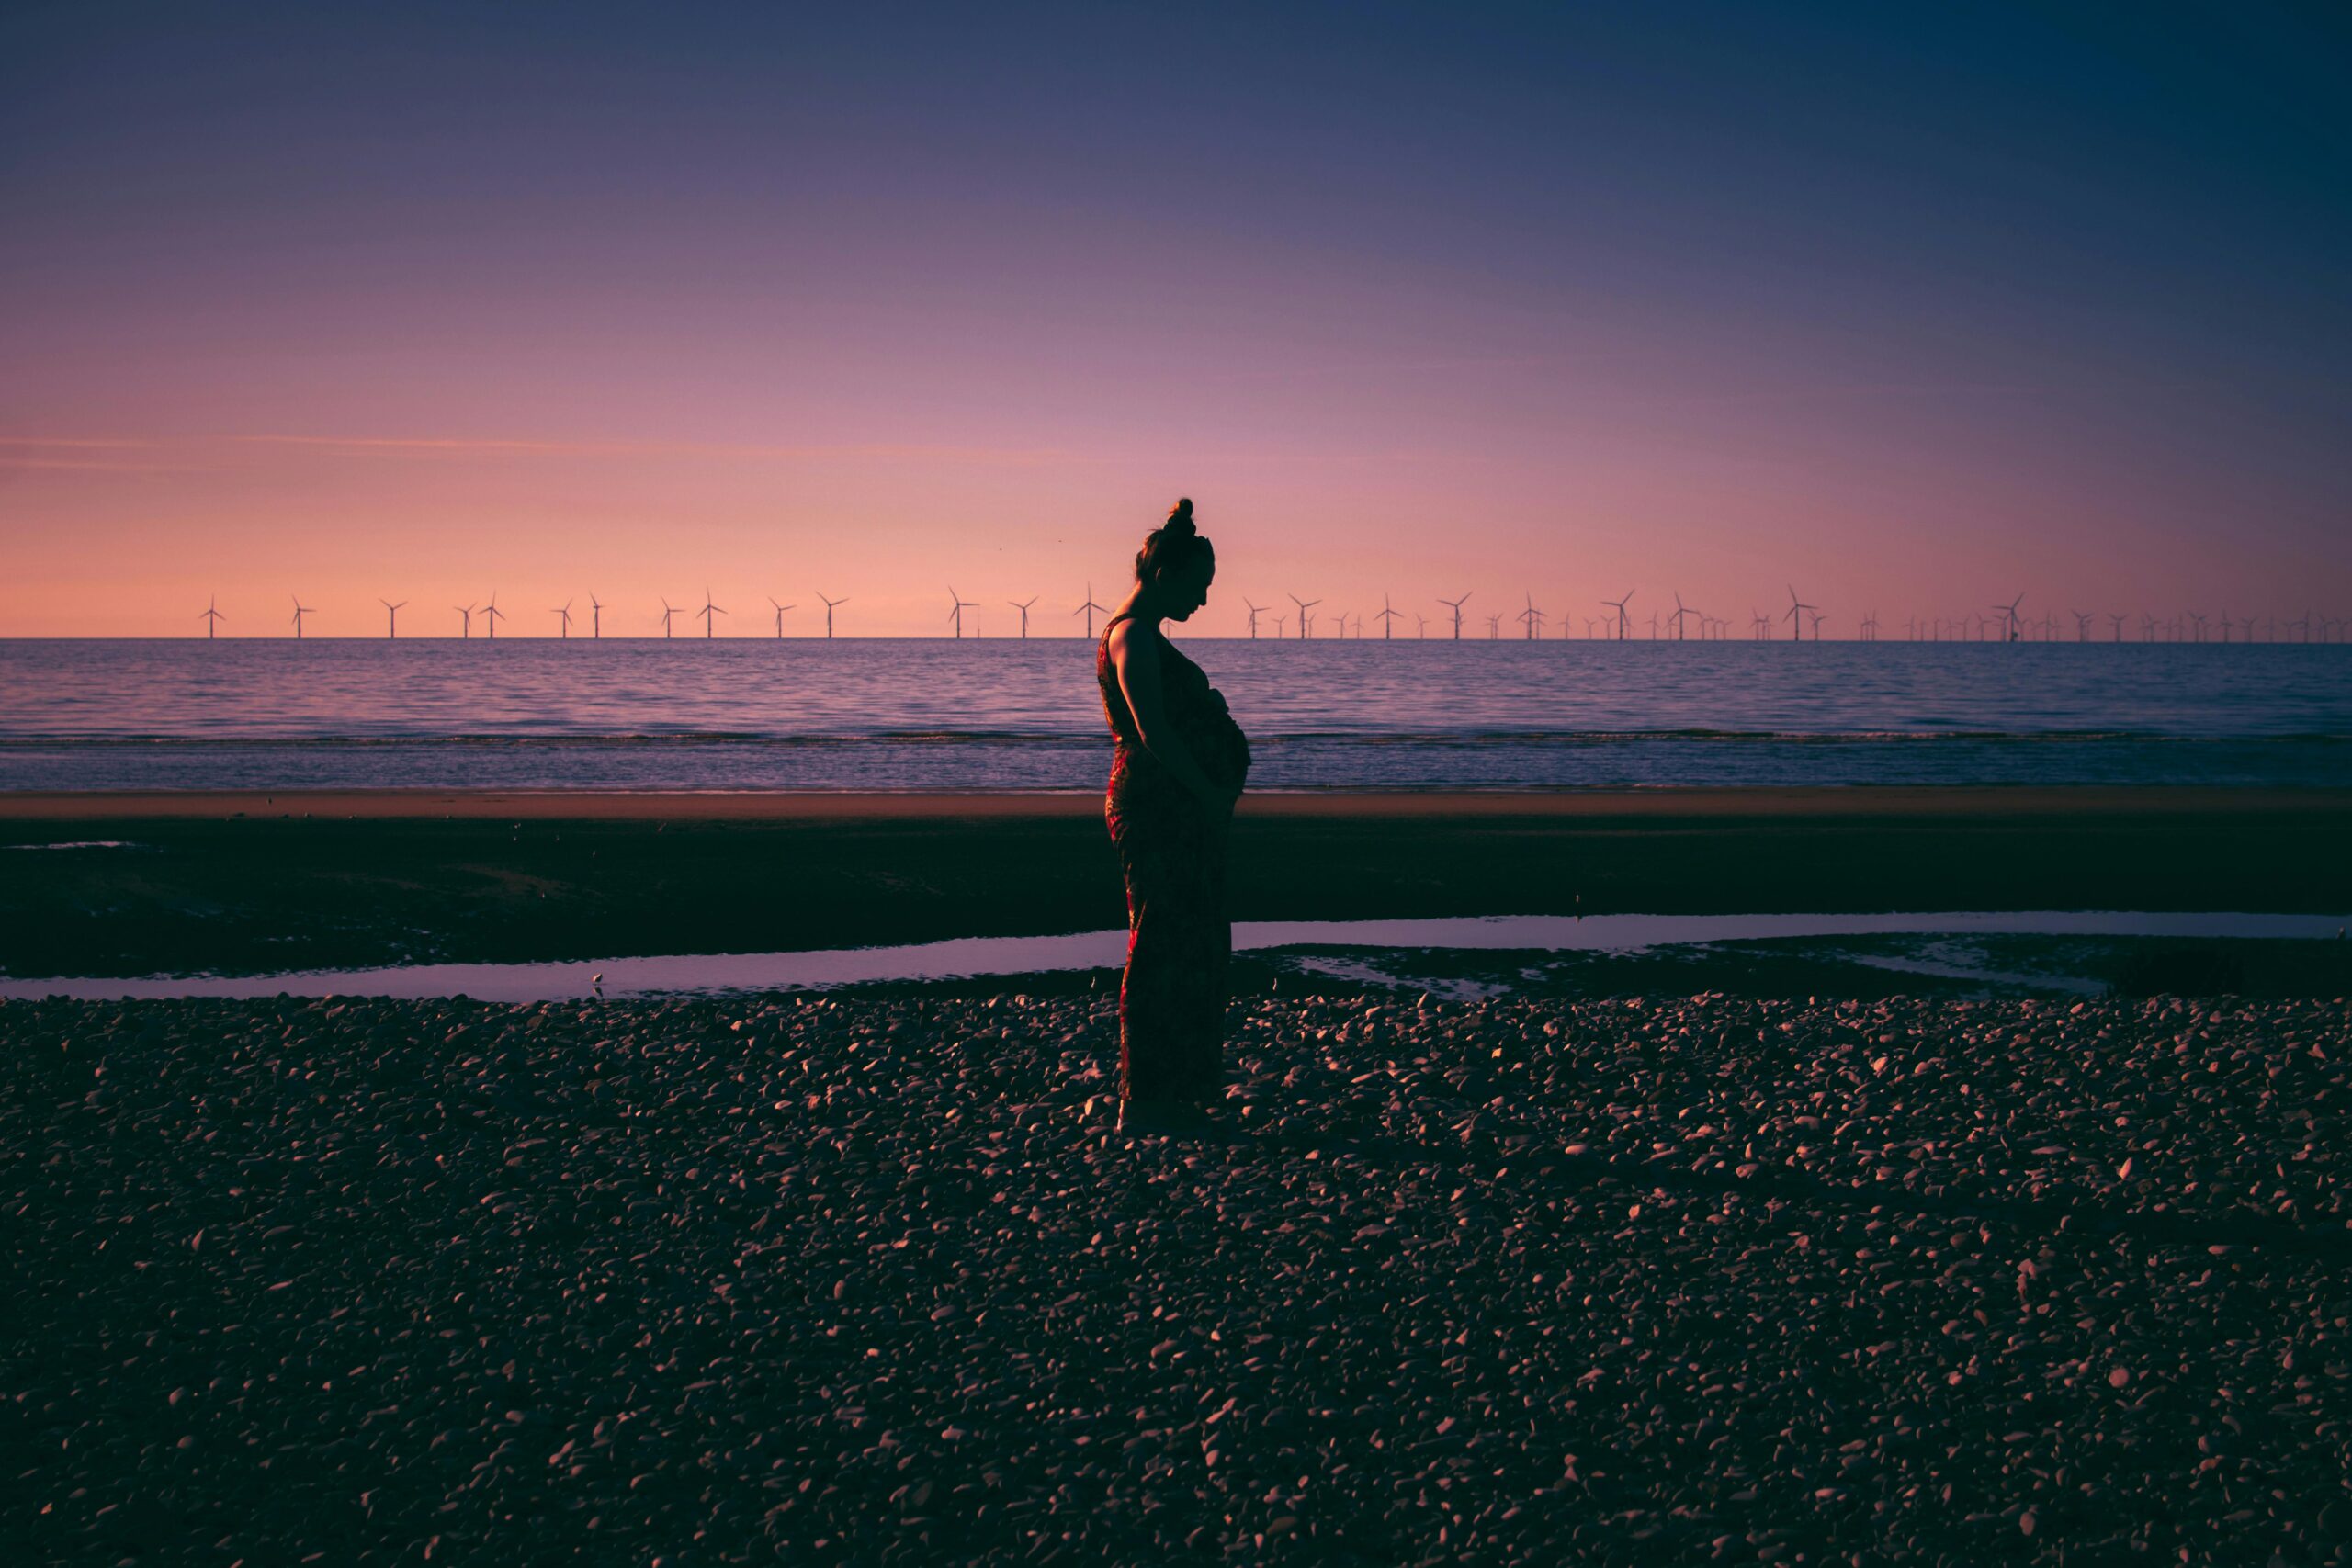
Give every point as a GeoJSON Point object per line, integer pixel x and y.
{"type": "Point", "coordinates": [1172, 851]}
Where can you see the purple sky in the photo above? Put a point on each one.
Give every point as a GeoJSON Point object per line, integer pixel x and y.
{"type": "Point", "coordinates": [1916, 310]}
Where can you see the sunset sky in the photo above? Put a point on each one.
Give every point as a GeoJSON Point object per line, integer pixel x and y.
{"type": "Point", "coordinates": [1914, 307]}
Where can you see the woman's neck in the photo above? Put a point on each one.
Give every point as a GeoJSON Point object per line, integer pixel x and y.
{"type": "Point", "coordinates": [1139, 606]}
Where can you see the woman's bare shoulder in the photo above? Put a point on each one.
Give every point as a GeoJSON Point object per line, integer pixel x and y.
{"type": "Point", "coordinates": [1124, 640]}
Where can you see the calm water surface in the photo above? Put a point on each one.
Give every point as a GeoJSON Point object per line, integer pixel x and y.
{"type": "Point", "coordinates": [738, 714]}
{"type": "Point", "coordinates": [719, 974]}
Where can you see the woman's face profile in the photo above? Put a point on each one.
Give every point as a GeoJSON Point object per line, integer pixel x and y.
{"type": "Point", "coordinates": [1184, 592]}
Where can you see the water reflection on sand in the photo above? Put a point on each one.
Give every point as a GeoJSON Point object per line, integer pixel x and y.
{"type": "Point", "coordinates": [980, 956]}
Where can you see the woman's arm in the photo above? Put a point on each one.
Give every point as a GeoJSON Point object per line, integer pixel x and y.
{"type": "Point", "coordinates": [1136, 659]}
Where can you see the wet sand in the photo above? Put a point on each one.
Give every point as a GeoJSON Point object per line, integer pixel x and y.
{"type": "Point", "coordinates": [257, 882]}
{"type": "Point", "coordinates": [1926, 801]}
{"type": "Point", "coordinates": [870, 1279]}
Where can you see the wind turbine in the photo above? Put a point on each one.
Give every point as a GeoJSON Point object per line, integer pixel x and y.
{"type": "Point", "coordinates": [1024, 614]}
{"type": "Point", "coordinates": [709, 613]}
{"type": "Point", "coordinates": [1091, 609]}
{"type": "Point", "coordinates": [668, 609]}
{"type": "Point", "coordinates": [467, 611]}
{"type": "Point", "coordinates": [1387, 618]}
{"type": "Point", "coordinates": [1304, 606]}
{"type": "Point", "coordinates": [301, 610]}
{"type": "Point", "coordinates": [1681, 610]}
{"type": "Point", "coordinates": [956, 614]}
{"type": "Point", "coordinates": [493, 614]}
{"type": "Point", "coordinates": [1455, 605]}
{"type": "Point", "coordinates": [1533, 618]}
{"type": "Point", "coordinates": [391, 616]}
{"type": "Point", "coordinates": [829, 614]}
{"type": "Point", "coordinates": [1421, 625]}
{"type": "Point", "coordinates": [1796, 623]}
{"type": "Point", "coordinates": [780, 609]}
{"type": "Point", "coordinates": [564, 621]}
{"type": "Point", "coordinates": [212, 617]}
{"type": "Point", "coordinates": [2009, 614]}
{"type": "Point", "coordinates": [596, 618]}
{"type": "Point", "coordinates": [1624, 626]}
{"type": "Point", "coordinates": [1255, 611]}
{"type": "Point", "coordinates": [1280, 622]}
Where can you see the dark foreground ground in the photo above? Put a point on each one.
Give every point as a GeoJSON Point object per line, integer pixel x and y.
{"type": "Point", "coordinates": [869, 1278]}
{"type": "Point", "coordinates": [260, 883]}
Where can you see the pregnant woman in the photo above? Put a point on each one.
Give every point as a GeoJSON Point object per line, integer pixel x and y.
{"type": "Point", "coordinates": [1175, 774]}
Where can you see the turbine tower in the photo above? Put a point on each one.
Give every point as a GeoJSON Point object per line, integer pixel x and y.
{"type": "Point", "coordinates": [780, 609]}
{"type": "Point", "coordinates": [1304, 606]}
{"type": "Point", "coordinates": [709, 613]}
{"type": "Point", "coordinates": [668, 609]}
{"type": "Point", "coordinates": [491, 613]}
{"type": "Point", "coordinates": [391, 616]}
{"type": "Point", "coordinates": [564, 616]}
{"type": "Point", "coordinates": [1455, 605]}
{"type": "Point", "coordinates": [211, 616]}
{"type": "Point", "coordinates": [1025, 614]}
{"type": "Point", "coordinates": [961, 604]}
{"type": "Point", "coordinates": [467, 628]}
{"type": "Point", "coordinates": [1532, 618]}
{"type": "Point", "coordinates": [1625, 627]}
{"type": "Point", "coordinates": [829, 614]}
{"type": "Point", "coordinates": [1255, 611]}
{"type": "Point", "coordinates": [595, 619]}
{"type": "Point", "coordinates": [2010, 618]}
{"type": "Point", "coordinates": [1090, 610]}
{"type": "Point", "coordinates": [1681, 610]}
{"type": "Point", "coordinates": [1387, 618]}
{"type": "Point", "coordinates": [301, 610]}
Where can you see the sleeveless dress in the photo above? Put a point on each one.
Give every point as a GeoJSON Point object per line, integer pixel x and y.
{"type": "Point", "coordinates": [1171, 851]}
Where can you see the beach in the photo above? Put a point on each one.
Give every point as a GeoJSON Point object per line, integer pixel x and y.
{"type": "Point", "coordinates": [257, 881]}
{"type": "Point", "coordinates": [871, 1278]}
{"type": "Point", "coordinates": [1656, 1274]}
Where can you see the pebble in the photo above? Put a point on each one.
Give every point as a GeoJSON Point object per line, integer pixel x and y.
{"type": "Point", "coordinates": [870, 1276]}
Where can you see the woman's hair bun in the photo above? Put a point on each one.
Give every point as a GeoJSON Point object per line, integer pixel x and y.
{"type": "Point", "coordinates": [1173, 545]}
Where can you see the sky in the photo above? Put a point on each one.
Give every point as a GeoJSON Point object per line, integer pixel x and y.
{"type": "Point", "coordinates": [1915, 308]}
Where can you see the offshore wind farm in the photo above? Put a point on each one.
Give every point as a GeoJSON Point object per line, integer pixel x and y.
{"type": "Point", "coordinates": [1236, 614]}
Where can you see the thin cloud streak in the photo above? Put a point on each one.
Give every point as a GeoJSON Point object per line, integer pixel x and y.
{"type": "Point", "coordinates": [463, 446]}
{"type": "Point", "coordinates": [70, 441]}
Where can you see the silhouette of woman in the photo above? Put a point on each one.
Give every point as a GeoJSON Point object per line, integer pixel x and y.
{"type": "Point", "coordinates": [1175, 773]}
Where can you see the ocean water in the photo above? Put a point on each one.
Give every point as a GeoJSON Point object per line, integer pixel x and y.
{"type": "Point", "coordinates": [930, 713]}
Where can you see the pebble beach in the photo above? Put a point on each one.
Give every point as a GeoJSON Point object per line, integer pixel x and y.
{"type": "Point", "coordinates": [870, 1277]}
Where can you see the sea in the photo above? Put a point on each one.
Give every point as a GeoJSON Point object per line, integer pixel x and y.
{"type": "Point", "coordinates": [941, 714]}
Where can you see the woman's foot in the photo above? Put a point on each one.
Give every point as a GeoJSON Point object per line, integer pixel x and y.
{"type": "Point", "coordinates": [1169, 1118]}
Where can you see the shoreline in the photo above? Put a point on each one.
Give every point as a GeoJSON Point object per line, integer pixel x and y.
{"type": "Point", "coordinates": [717, 806]}
{"type": "Point", "coordinates": [277, 881]}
